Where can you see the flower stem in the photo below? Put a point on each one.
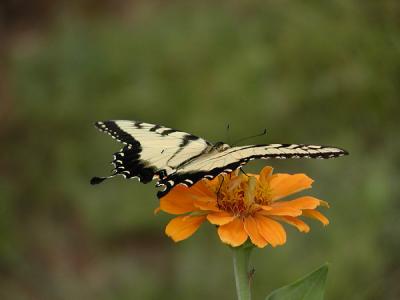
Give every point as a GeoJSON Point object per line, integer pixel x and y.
{"type": "Point", "coordinates": [241, 259]}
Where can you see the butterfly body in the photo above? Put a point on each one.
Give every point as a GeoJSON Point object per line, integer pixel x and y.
{"type": "Point", "coordinates": [171, 157]}
{"type": "Point", "coordinates": [220, 147]}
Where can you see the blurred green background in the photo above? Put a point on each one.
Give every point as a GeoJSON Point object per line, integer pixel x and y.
{"type": "Point", "coordinates": [325, 72]}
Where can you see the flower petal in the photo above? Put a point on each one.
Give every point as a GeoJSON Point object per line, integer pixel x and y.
{"type": "Point", "coordinates": [265, 175]}
{"type": "Point", "coordinates": [324, 203]}
{"type": "Point", "coordinates": [220, 218]}
{"type": "Point", "coordinates": [264, 207]}
{"type": "Point", "coordinates": [178, 201]}
{"type": "Point", "coordinates": [249, 192]}
{"type": "Point", "coordinates": [299, 224]}
{"type": "Point", "coordinates": [206, 203]}
{"type": "Point", "coordinates": [203, 188]}
{"type": "Point", "coordinates": [233, 233]}
{"type": "Point", "coordinates": [316, 215]}
{"type": "Point", "coordinates": [234, 182]}
{"type": "Point", "coordinates": [305, 202]}
{"type": "Point", "coordinates": [272, 231]}
{"type": "Point", "coordinates": [282, 211]}
{"type": "Point", "coordinates": [282, 185]}
{"type": "Point", "coordinates": [250, 225]}
{"type": "Point", "coordinates": [182, 227]}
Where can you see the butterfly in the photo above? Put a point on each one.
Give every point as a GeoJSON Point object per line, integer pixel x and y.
{"type": "Point", "coordinates": [171, 157]}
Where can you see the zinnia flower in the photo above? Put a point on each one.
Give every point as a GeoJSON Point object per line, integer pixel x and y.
{"type": "Point", "coordinates": [242, 206]}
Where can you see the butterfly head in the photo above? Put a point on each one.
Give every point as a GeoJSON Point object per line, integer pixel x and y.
{"type": "Point", "coordinates": [220, 146]}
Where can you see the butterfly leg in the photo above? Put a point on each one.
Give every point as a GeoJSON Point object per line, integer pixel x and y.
{"type": "Point", "coordinates": [241, 170]}
{"type": "Point", "coordinates": [219, 189]}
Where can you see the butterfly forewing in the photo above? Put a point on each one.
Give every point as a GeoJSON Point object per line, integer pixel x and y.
{"type": "Point", "coordinates": [151, 151]}
{"type": "Point", "coordinates": [210, 165]}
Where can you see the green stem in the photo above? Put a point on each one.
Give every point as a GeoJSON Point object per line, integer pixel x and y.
{"type": "Point", "coordinates": [241, 259]}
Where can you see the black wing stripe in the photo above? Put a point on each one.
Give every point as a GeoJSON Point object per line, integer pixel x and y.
{"type": "Point", "coordinates": [116, 132]}
{"type": "Point", "coordinates": [168, 131]}
{"type": "Point", "coordinates": [155, 127]}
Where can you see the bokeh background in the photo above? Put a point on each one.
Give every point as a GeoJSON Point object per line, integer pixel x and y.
{"type": "Point", "coordinates": [325, 72]}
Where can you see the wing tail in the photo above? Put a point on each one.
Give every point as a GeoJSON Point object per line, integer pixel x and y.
{"type": "Point", "coordinates": [97, 180]}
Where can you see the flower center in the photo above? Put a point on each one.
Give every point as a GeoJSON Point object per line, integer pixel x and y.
{"type": "Point", "coordinates": [240, 195]}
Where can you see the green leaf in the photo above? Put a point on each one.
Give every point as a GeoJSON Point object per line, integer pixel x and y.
{"type": "Point", "coordinates": [310, 287]}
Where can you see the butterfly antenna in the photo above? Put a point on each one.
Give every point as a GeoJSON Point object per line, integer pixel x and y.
{"type": "Point", "coordinates": [250, 137]}
{"type": "Point", "coordinates": [228, 136]}
{"type": "Point", "coordinates": [219, 189]}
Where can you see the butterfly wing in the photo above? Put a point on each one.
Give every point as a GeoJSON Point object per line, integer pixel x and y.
{"type": "Point", "coordinates": [212, 164]}
{"type": "Point", "coordinates": [151, 151]}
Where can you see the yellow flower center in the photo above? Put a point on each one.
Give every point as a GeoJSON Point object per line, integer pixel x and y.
{"type": "Point", "coordinates": [263, 194]}
{"type": "Point", "coordinates": [241, 194]}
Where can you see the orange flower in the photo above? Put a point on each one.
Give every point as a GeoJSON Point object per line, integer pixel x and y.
{"type": "Point", "coordinates": [242, 206]}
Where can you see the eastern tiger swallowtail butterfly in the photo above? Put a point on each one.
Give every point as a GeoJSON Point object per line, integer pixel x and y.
{"type": "Point", "coordinates": [154, 152]}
